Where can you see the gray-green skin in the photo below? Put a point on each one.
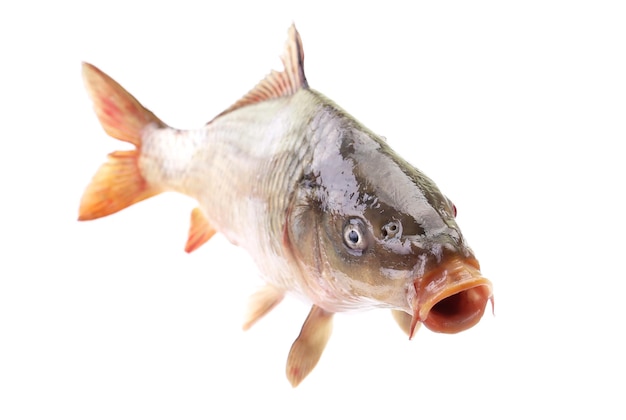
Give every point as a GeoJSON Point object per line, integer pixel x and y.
{"type": "Point", "coordinates": [354, 182]}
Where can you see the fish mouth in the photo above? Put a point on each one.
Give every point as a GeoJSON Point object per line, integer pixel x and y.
{"type": "Point", "coordinates": [452, 297]}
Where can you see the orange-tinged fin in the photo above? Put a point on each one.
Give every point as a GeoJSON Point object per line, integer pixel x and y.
{"type": "Point", "coordinates": [121, 115]}
{"type": "Point", "coordinates": [118, 183]}
{"type": "Point", "coordinates": [261, 302]}
{"type": "Point", "coordinates": [283, 83]}
{"type": "Point", "coordinates": [307, 349]}
{"type": "Point", "coordinates": [200, 230]}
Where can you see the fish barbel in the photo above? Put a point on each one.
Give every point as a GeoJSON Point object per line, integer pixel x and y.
{"type": "Point", "coordinates": [327, 210]}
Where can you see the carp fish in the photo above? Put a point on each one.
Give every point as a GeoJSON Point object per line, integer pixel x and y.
{"type": "Point", "coordinates": [324, 206]}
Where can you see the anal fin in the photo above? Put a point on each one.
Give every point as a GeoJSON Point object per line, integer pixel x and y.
{"type": "Point", "coordinates": [200, 231]}
{"type": "Point", "coordinates": [261, 302]}
{"type": "Point", "coordinates": [308, 348]}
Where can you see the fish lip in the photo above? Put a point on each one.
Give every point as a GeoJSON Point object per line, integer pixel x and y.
{"type": "Point", "coordinates": [452, 297]}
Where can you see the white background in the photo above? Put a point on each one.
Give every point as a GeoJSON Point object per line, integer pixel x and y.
{"type": "Point", "coordinates": [516, 111]}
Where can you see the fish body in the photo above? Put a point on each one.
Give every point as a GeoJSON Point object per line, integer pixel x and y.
{"type": "Point", "coordinates": [327, 210]}
{"type": "Point", "coordinates": [267, 145]}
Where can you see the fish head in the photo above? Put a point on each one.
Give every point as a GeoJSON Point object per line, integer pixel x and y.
{"type": "Point", "coordinates": [370, 230]}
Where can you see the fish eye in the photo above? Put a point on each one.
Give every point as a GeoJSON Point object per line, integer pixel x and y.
{"type": "Point", "coordinates": [353, 235]}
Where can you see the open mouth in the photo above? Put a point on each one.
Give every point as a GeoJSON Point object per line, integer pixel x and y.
{"type": "Point", "coordinates": [452, 297]}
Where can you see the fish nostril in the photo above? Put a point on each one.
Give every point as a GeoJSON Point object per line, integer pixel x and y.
{"type": "Point", "coordinates": [391, 230]}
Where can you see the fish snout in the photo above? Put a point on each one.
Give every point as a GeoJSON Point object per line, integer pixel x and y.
{"type": "Point", "coordinates": [451, 297]}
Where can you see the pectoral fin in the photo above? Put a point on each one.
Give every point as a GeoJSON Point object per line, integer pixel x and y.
{"type": "Point", "coordinates": [307, 349]}
{"type": "Point", "coordinates": [200, 230]}
{"type": "Point", "coordinates": [261, 302]}
{"type": "Point", "coordinates": [404, 320]}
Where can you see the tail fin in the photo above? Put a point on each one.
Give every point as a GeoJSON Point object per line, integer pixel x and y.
{"type": "Point", "coordinates": [118, 183]}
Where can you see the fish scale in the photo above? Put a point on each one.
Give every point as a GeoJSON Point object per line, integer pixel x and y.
{"type": "Point", "coordinates": [268, 165]}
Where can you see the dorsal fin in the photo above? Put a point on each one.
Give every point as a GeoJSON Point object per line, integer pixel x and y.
{"type": "Point", "coordinates": [278, 84]}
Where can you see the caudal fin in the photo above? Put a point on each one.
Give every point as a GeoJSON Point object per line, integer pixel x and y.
{"type": "Point", "coordinates": [118, 183]}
